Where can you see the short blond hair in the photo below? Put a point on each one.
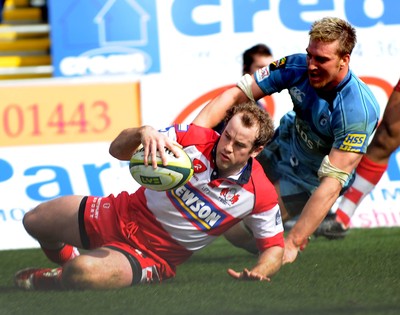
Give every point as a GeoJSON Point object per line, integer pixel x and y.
{"type": "Point", "coordinates": [330, 29]}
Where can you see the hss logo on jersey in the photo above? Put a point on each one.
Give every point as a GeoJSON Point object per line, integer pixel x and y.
{"type": "Point", "coordinates": [202, 213]}
{"type": "Point", "coordinates": [353, 142]}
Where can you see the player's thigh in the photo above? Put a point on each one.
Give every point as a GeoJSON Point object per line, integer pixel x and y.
{"type": "Point", "coordinates": [55, 220]}
{"type": "Point", "coordinates": [292, 197]}
{"type": "Point", "coordinates": [387, 136]}
{"type": "Point", "coordinates": [239, 234]}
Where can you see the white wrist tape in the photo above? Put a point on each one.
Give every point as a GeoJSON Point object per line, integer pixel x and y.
{"type": "Point", "coordinates": [245, 85]}
{"type": "Point", "coordinates": [328, 170]}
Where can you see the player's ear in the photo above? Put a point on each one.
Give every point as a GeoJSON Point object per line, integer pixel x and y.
{"type": "Point", "coordinates": [257, 151]}
{"type": "Point", "coordinates": [344, 61]}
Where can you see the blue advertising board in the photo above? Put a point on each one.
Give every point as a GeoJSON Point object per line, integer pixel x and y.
{"type": "Point", "coordinates": [104, 37]}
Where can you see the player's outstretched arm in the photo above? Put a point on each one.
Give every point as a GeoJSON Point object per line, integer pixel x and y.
{"type": "Point", "coordinates": [320, 202]}
{"type": "Point", "coordinates": [214, 112]}
{"type": "Point", "coordinates": [269, 263]}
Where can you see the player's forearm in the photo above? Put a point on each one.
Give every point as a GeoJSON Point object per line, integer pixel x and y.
{"type": "Point", "coordinates": [123, 146]}
{"type": "Point", "coordinates": [315, 210]}
{"type": "Point", "coordinates": [269, 261]}
{"type": "Point", "coordinates": [214, 112]}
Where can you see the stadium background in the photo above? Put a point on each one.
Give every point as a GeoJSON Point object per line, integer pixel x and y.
{"type": "Point", "coordinates": [122, 63]}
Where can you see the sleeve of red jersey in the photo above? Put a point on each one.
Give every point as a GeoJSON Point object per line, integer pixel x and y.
{"type": "Point", "coordinates": [192, 134]}
{"type": "Point", "coordinates": [265, 221]}
{"type": "Point", "coordinates": [267, 228]}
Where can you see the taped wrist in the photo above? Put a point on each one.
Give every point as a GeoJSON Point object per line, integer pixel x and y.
{"type": "Point", "coordinates": [328, 170]}
{"type": "Point", "coordinates": [245, 85]}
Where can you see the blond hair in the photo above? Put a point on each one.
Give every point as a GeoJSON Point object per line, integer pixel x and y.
{"type": "Point", "coordinates": [330, 29]}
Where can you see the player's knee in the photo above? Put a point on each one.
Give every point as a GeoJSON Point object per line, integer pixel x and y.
{"type": "Point", "coordinates": [31, 222]}
{"type": "Point", "coordinates": [80, 273]}
{"type": "Point", "coordinates": [87, 272]}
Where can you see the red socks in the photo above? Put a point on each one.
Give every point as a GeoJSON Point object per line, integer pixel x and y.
{"type": "Point", "coordinates": [368, 174]}
{"type": "Point", "coordinates": [62, 255]}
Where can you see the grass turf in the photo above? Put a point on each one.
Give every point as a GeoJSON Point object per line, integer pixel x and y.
{"type": "Point", "coordinates": [357, 275]}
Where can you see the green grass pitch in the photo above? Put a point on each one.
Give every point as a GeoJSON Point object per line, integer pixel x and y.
{"type": "Point", "coordinates": [357, 275]}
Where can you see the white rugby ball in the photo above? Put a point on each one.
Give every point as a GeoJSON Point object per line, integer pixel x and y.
{"type": "Point", "coordinates": [176, 173]}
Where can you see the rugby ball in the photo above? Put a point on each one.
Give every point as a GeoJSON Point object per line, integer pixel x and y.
{"type": "Point", "coordinates": [176, 173]}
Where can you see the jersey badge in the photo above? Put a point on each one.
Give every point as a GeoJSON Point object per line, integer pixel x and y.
{"type": "Point", "coordinates": [281, 63]}
{"type": "Point", "coordinates": [229, 196]}
{"type": "Point", "coordinates": [262, 73]}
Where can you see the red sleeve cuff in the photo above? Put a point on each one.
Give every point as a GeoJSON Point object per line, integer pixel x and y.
{"type": "Point", "coordinates": [277, 240]}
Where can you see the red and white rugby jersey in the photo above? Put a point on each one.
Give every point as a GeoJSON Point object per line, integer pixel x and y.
{"type": "Point", "coordinates": [204, 208]}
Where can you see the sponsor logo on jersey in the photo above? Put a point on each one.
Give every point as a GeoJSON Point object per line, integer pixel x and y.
{"type": "Point", "coordinates": [353, 142]}
{"type": "Point", "coordinates": [304, 136]}
{"type": "Point", "coordinates": [297, 94]}
{"type": "Point", "coordinates": [199, 166]}
{"type": "Point", "coordinates": [278, 218]}
{"type": "Point", "coordinates": [196, 208]}
{"type": "Point", "coordinates": [229, 196]}
{"type": "Point", "coordinates": [281, 63]}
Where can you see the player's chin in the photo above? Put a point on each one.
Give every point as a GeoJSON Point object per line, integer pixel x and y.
{"type": "Point", "coordinates": [222, 163]}
{"type": "Point", "coordinates": [316, 82]}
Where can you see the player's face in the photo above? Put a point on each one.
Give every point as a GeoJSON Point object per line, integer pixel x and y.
{"type": "Point", "coordinates": [234, 147]}
{"type": "Point", "coordinates": [325, 68]}
{"type": "Point", "coordinates": [260, 61]}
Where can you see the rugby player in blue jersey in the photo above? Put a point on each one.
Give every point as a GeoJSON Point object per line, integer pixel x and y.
{"type": "Point", "coordinates": [317, 146]}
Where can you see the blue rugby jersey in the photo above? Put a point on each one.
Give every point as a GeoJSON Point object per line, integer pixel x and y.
{"type": "Point", "coordinates": [343, 119]}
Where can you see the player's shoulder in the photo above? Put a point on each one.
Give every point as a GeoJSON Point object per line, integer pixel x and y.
{"type": "Point", "coordinates": [355, 84]}
{"type": "Point", "coordinates": [266, 197]}
{"type": "Point", "coordinates": [282, 73]}
{"type": "Point", "coordinates": [260, 179]}
{"type": "Point", "coordinates": [290, 62]}
{"type": "Point", "coordinates": [297, 60]}
{"type": "Point", "coordinates": [357, 90]}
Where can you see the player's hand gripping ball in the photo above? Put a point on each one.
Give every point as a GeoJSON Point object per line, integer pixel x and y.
{"type": "Point", "coordinates": [176, 173]}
